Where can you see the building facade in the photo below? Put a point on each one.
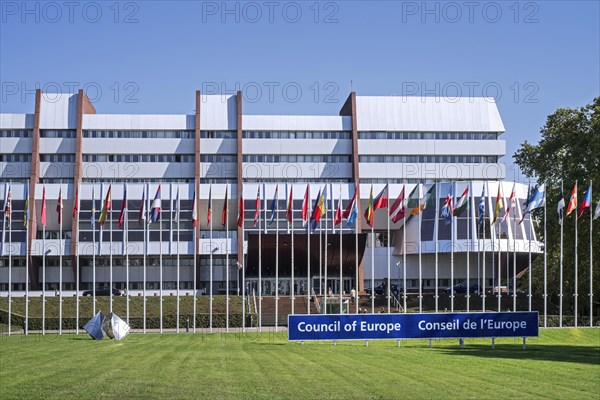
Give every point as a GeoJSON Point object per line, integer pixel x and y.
{"type": "Point", "coordinates": [66, 149]}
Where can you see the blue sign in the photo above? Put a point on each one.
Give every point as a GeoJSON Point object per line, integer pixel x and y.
{"type": "Point", "coordinates": [412, 326]}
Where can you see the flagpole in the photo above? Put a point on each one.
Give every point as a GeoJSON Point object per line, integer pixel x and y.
{"type": "Point", "coordinates": [292, 227]}
{"type": "Point", "coordinates": [560, 295]}
{"type": "Point", "coordinates": [226, 208]}
{"type": "Point", "coordinates": [389, 255]}
{"type": "Point", "coordinates": [94, 243]}
{"type": "Point", "coordinates": [9, 259]}
{"type": "Point", "coordinates": [499, 271]}
{"type": "Point", "coordinates": [452, 240]}
{"type": "Point", "coordinates": [160, 262]}
{"type": "Point", "coordinates": [321, 261]}
{"type": "Point", "coordinates": [356, 200]}
{"type": "Point", "coordinates": [483, 283]}
{"type": "Point", "coordinates": [77, 264]}
{"type": "Point", "coordinates": [195, 249]}
{"type": "Point", "coordinates": [177, 216]}
{"type": "Point", "coordinates": [576, 272]}
{"type": "Point", "coordinates": [515, 227]}
{"type": "Point", "coordinates": [260, 285]}
{"type": "Point", "coordinates": [126, 240]}
{"type": "Point", "coordinates": [210, 316]}
{"type": "Point", "coordinates": [591, 257]}
{"type": "Point", "coordinates": [44, 270]}
{"type": "Point", "coordinates": [529, 295]}
{"type": "Point", "coordinates": [341, 256]}
{"type": "Point", "coordinates": [326, 245]}
{"type": "Point", "coordinates": [110, 285]}
{"type": "Point", "coordinates": [308, 293]}
{"type": "Point", "coordinates": [26, 216]}
{"type": "Point", "coordinates": [60, 264]}
{"type": "Point", "coordinates": [420, 255]}
{"type": "Point", "coordinates": [436, 232]}
{"type": "Point", "coordinates": [468, 246]}
{"type": "Point", "coordinates": [146, 226]}
{"type": "Point", "coordinates": [545, 268]}
{"type": "Point", "coordinates": [276, 258]}
{"type": "Point", "coordinates": [404, 288]}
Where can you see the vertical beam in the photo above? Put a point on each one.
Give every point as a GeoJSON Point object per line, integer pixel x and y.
{"type": "Point", "coordinates": [240, 231]}
{"type": "Point", "coordinates": [197, 167]}
{"type": "Point", "coordinates": [34, 178]}
{"type": "Point", "coordinates": [349, 109]}
{"type": "Point", "coordinates": [84, 106]}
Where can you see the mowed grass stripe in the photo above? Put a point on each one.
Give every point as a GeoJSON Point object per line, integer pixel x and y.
{"type": "Point", "coordinates": [560, 364]}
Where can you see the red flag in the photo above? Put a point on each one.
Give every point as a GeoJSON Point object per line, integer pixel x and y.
{"type": "Point", "coordinates": [209, 211]}
{"type": "Point", "coordinates": [225, 210]}
{"type": "Point", "coordinates": [240, 219]}
{"type": "Point", "coordinates": [7, 205]}
{"type": "Point", "coordinates": [59, 206]}
{"type": "Point", "coordinates": [398, 209]}
{"type": "Point", "coordinates": [123, 208]}
{"type": "Point", "coordinates": [76, 203]}
{"type": "Point", "coordinates": [288, 213]}
{"type": "Point", "coordinates": [337, 218]}
{"type": "Point", "coordinates": [381, 200]}
{"type": "Point", "coordinates": [305, 206]}
{"type": "Point", "coordinates": [348, 209]}
{"type": "Point", "coordinates": [194, 211]}
{"type": "Point", "coordinates": [257, 210]}
{"type": "Point", "coordinates": [43, 215]}
{"type": "Point", "coordinates": [573, 201]}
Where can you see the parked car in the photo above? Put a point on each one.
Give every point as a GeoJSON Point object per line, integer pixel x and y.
{"type": "Point", "coordinates": [104, 291]}
{"type": "Point", "coordinates": [462, 288]}
{"type": "Point", "coordinates": [381, 289]}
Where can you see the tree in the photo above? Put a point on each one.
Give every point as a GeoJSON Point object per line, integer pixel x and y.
{"type": "Point", "coordinates": [568, 152]}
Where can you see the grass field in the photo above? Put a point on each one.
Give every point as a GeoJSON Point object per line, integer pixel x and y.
{"type": "Point", "coordinates": [560, 364]}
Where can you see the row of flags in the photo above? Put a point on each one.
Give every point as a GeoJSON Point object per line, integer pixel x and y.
{"type": "Point", "coordinates": [403, 206]}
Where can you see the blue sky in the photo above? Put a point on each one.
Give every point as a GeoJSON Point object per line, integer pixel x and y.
{"type": "Point", "coordinates": [300, 57]}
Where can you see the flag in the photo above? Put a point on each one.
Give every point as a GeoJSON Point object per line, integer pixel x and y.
{"type": "Point", "coordinates": [573, 201]}
{"type": "Point", "coordinates": [288, 213]}
{"type": "Point", "coordinates": [561, 205]}
{"type": "Point", "coordinates": [316, 214]}
{"type": "Point", "coordinates": [499, 204]}
{"type": "Point", "coordinates": [76, 203]}
{"type": "Point", "coordinates": [512, 203]}
{"type": "Point", "coordinates": [305, 207]}
{"type": "Point", "coordinates": [597, 211]}
{"type": "Point", "coordinates": [586, 202]}
{"type": "Point", "coordinates": [7, 203]}
{"type": "Point", "coordinates": [481, 207]}
{"type": "Point", "coordinates": [43, 214]}
{"type": "Point", "coordinates": [26, 207]}
{"type": "Point", "coordinates": [123, 214]}
{"type": "Point", "coordinates": [429, 199]}
{"type": "Point", "coordinates": [225, 209]}
{"type": "Point", "coordinates": [447, 210]}
{"type": "Point", "coordinates": [351, 221]}
{"type": "Point", "coordinates": [337, 218]}
{"type": "Point", "coordinates": [59, 206]}
{"type": "Point", "coordinates": [369, 212]}
{"type": "Point", "coordinates": [398, 209]}
{"type": "Point", "coordinates": [463, 203]}
{"type": "Point", "coordinates": [381, 200]}
{"type": "Point", "coordinates": [142, 214]}
{"type": "Point", "coordinates": [209, 210]}
{"type": "Point", "coordinates": [105, 208]}
{"type": "Point", "coordinates": [177, 206]}
{"type": "Point", "coordinates": [240, 218]}
{"type": "Point", "coordinates": [194, 210]}
{"type": "Point", "coordinates": [274, 205]}
{"type": "Point", "coordinates": [156, 206]}
{"type": "Point", "coordinates": [257, 211]}
{"type": "Point", "coordinates": [537, 199]}
{"type": "Point", "coordinates": [350, 205]}
{"type": "Point", "coordinates": [93, 217]}
{"type": "Point", "coordinates": [413, 200]}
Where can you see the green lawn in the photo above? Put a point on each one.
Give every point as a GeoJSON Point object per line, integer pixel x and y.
{"type": "Point", "coordinates": [561, 364]}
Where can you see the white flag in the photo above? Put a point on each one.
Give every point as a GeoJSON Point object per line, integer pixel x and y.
{"type": "Point", "coordinates": [597, 211]}
{"type": "Point", "coordinates": [177, 208]}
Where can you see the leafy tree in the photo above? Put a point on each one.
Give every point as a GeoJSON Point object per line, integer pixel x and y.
{"type": "Point", "coordinates": [568, 152]}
